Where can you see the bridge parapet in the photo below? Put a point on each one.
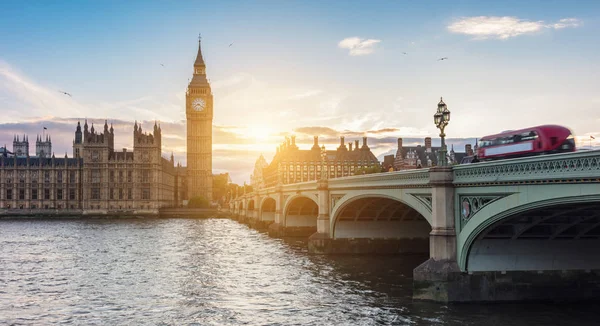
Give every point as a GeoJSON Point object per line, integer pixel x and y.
{"type": "Point", "coordinates": [301, 186]}
{"type": "Point", "coordinates": [577, 167]}
{"type": "Point", "coordinates": [398, 179]}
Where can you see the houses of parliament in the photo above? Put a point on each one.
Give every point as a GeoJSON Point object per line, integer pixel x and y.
{"type": "Point", "coordinates": [99, 179]}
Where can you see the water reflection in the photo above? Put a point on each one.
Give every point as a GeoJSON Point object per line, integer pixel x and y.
{"type": "Point", "coordinates": [217, 272]}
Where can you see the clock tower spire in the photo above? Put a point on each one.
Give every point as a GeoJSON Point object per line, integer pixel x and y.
{"type": "Point", "coordinates": [199, 116]}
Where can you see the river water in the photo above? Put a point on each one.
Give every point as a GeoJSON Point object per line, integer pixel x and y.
{"type": "Point", "coordinates": [218, 272]}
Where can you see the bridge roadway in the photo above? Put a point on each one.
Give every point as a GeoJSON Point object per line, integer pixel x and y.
{"type": "Point", "coordinates": [519, 229]}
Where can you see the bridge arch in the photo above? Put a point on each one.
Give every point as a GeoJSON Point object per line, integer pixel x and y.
{"type": "Point", "coordinates": [552, 234]}
{"type": "Point", "coordinates": [301, 212]}
{"type": "Point", "coordinates": [382, 217]}
{"type": "Point", "coordinates": [268, 206]}
{"type": "Point", "coordinates": [406, 199]}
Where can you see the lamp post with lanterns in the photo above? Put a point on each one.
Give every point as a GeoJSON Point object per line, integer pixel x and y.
{"type": "Point", "coordinates": [441, 119]}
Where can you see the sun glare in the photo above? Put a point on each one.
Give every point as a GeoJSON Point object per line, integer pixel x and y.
{"type": "Point", "coordinates": [259, 133]}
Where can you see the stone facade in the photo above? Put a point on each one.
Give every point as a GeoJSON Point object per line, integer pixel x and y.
{"type": "Point", "coordinates": [97, 180]}
{"type": "Point", "coordinates": [40, 183]}
{"type": "Point", "coordinates": [292, 165]}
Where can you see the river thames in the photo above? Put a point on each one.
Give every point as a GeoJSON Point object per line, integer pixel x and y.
{"type": "Point", "coordinates": [218, 272]}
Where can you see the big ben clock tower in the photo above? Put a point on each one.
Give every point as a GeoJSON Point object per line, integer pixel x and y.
{"type": "Point", "coordinates": [199, 115]}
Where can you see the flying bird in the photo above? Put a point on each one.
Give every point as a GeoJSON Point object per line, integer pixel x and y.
{"type": "Point", "coordinates": [66, 93]}
{"type": "Point", "coordinates": [162, 65]}
{"type": "Point", "coordinates": [230, 44]}
{"type": "Point", "coordinates": [444, 58]}
{"type": "Point", "coordinates": [404, 53]}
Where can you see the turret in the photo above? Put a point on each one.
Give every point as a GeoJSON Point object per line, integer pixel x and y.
{"type": "Point", "coordinates": [78, 135]}
{"type": "Point", "coordinates": [365, 146]}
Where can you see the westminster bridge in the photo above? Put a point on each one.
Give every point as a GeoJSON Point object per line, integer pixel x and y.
{"type": "Point", "coordinates": [516, 229]}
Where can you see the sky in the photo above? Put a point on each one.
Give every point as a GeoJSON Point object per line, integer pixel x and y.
{"type": "Point", "coordinates": [277, 68]}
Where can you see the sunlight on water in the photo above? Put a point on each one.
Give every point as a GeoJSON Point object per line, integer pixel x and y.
{"type": "Point", "coordinates": [215, 272]}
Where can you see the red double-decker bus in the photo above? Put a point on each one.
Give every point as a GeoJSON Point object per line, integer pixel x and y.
{"type": "Point", "coordinates": [546, 139]}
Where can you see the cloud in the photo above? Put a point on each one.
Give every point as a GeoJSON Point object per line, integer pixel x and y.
{"type": "Point", "coordinates": [317, 131]}
{"type": "Point", "coordinates": [485, 27]}
{"type": "Point", "coordinates": [306, 94]}
{"type": "Point", "coordinates": [567, 22]}
{"type": "Point", "coordinates": [358, 46]}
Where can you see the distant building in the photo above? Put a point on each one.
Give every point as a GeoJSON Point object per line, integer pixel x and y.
{"type": "Point", "coordinates": [98, 178]}
{"type": "Point", "coordinates": [416, 157]}
{"type": "Point", "coordinates": [388, 163]}
{"type": "Point", "coordinates": [292, 165]}
{"type": "Point", "coordinates": [256, 179]}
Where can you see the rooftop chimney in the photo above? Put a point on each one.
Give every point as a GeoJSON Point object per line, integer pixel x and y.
{"type": "Point", "coordinates": [316, 142]}
{"type": "Point", "coordinates": [427, 142]}
{"type": "Point", "coordinates": [399, 143]}
{"type": "Point", "coordinates": [350, 146]}
{"type": "Point", "coordinates": [356, 145]}
{"type": "Point", "coordinates": [342, 145]}
{"type": "Point", "coordinates": [364, 146]}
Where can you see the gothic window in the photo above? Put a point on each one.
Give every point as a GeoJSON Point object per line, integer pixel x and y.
{"type": "Point", "coordinates": [145, 176]}
{"type": "Point", "coordinates": [72, 176]}
{"type": "Point", "coordinates": [9, 194]}
{"type": "Point", "coordinates": [112, 176]}
{"type": "Point", "coordinates": [21, 194]}
{"type": "Point", "coordinates": [95, 193]}
{"type": "Point", "coordinates": [95, 176]}
{"type": "Point", "coordinates": [46, 176]}
{"type": "Point", "coordinates": [59, 176]}
{"type": "Point", "coordinates": [121, 176]}
{"type": "Point", "coordinates": [34, 194]}
{"type": "Point", "coordinates": [130, 193]}
{"type": "Point", "coordinates": [120, 193]}
{"type": "Point", "coordinates": [129, 176]}
{"type": "Point", "coordinates": [111, 192]}
{"type": "Point", "coordinates": [46, 193]}
{"type": "Point", "coordinates": [146, 193]}
{"type": "Point", "coordinates": [59, 194]}
{"type": "Point", "coordinates": [9, 177]}
{"type": "Point", "coordinates": [72, 194]}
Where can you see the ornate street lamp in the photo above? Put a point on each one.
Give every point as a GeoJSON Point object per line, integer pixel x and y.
{"type": "Point", "coordinates": [323, 157]}
{"type": "Point", "coordinates": [441, 119]}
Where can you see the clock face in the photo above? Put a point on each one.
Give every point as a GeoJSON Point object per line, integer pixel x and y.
{"type": "Point", "coordinates": [198, 104]}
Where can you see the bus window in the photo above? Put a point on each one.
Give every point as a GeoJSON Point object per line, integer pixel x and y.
{"type": "Point", "coordinates": [553, 140]}
{"type": "Point", "coordinates": [529, 136]}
